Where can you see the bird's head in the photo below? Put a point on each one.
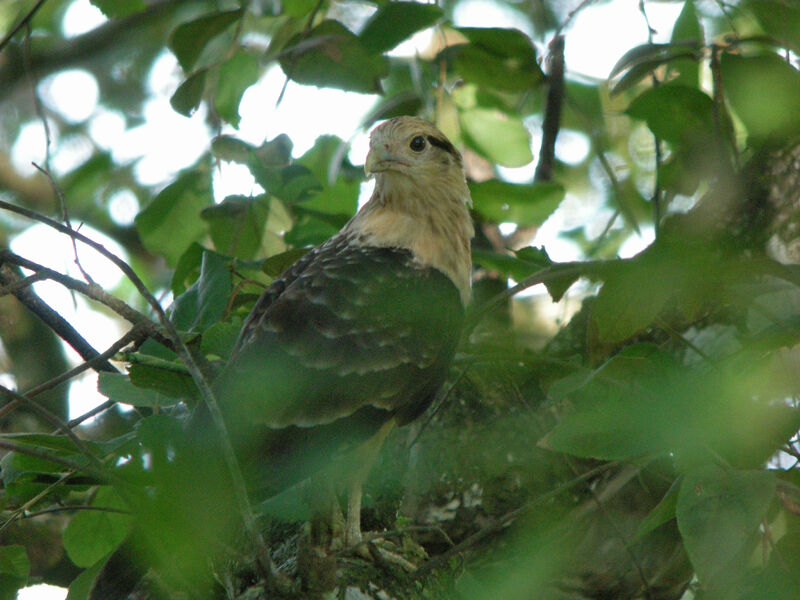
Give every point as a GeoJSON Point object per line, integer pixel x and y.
{"type": "Point", "coordinates": [411, 152]}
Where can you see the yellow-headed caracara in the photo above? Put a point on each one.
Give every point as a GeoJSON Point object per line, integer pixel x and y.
{"type": "Point", "coordinates": [358, 334]}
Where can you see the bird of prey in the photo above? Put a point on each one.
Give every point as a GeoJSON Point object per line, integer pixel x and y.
{"type": "Point", "coordinates": [357, 336]}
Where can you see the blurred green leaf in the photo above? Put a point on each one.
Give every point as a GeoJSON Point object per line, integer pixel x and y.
{"type": "Point", "coordinates": [236, 74]}
{"type": "Point", "coordinates": [81, 586]}
{"type": "Point", "coordinates": [277, 264]}
{"type": "Point", "coordinates": [171, 222]}
{"type": "Point", "coordinates": [188, 40]}
{"type": "Point", "coordinates": [189, 94]}
{"type": "Point", "coordinates": [219, 339]}
{"type": "Point", "coordinates": [678, 114]}
{"type": "Point", "coordinates": [341, 199]}
{"type": "Point", "coordinates": [237, 224]}
{"type": "Point", "coordinates": [169, 382]}
{"type": "Point", "coordinates": [114, 9]}
{"type": "Point", "coordinates": [396, 21]}
{"type": "Point", "coordinates": [500, 138]}
{"type": "Point", "coordinates": [719, 512]}
{"type": "Point", "coordinates": [332, 56]}
{"type": "Point", "coordinates": [504, 59]}
{"type": "Point", "coordinates": [187, 269]}
{"type": "Point", "coordinates": [687, 29]}
{"type": "Point", "coordinates": [118, 387]}
{"type": "Point", "coordinates": [525, 205]}
{"type": "Point", "coordinates": [93, 534]}
{"type": "Point", "coordinates": [204, 303]}
{"type": "Point", "coordinates": [779, 19]}
{"type": "Point", "coordinates": [227, 147]}
{"type": "Point", "coordinates": [14, 561]}
{"type": "Point", "coordinates": [764, 92]}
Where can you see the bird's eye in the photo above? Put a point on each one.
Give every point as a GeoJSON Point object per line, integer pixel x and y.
{"type": "Point", "coordinates": [417, 144]}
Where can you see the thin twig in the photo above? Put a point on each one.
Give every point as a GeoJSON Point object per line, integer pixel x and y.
{"type": "Point", "coordinates": [23, 23]}
{"type": "Point", "coordinates": [73, 465]}
{"type": "Point", "coordinates": [52, 319]}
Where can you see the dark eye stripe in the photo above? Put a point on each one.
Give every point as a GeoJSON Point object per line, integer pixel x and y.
{"type": "Point", "coordinates": [444, 145]}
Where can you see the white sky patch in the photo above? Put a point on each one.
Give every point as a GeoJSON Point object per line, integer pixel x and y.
{"type": "Point", "coordinates": [29, 148]}
{"type": "Point", "coordinates": [72, 93]}
{"type": "Point", "coordinates": [81, 16]}
{"type": "Point", "coordinates": [304, 113]}
{"type": "Point", "coordinates": [106, 128]}
{"type": "Point", "coordinates": [42, 591]}
{"type": "Point", "coordinates": [594, 45]}
{"type": "Point", "coordinates": [230, 179]}
{"type": "Point", "coordinates": [123, 206]}
{"type": "Point", "coordinates": [636, 242]}
{"type": "Point", "coordinates": [486, 13]}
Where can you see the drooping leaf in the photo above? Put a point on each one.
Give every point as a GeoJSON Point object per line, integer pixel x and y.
{"type": "Point", "coordinates": [227, 147]}
{"type": "Point", "coordinates": [188, 40]}
{"type": "Point", "coordinates": [500, 138]}
{"type": "Point", "coordinates": [687, 29]}
{"type": "Point", "coordinates": [504, 59]}
{"type": "Point", "coordinates": [118, 387]}
{"type": "Point", "coordinates": [237, 224]}
{"type": "Point", "coordinates": [396, 21]}
{"type": "Point", "coordinates": [189, 94]}
{"type": "Point", "coordinates": [93, 534]}
{"type": "Point", "coordinates": [236, 74]}
{"type": "Point", "coordinates": [330, 55]}
{"type": "Point", "coordinates": [203, 304]}
{"type": "Point", "coordinates": [171, 222]}
{"type": "Point", "coordinates": [764, 92]}
{"type": "Point", "coordinates": [678, 114]}
{"type": "Point", "coordinates": [525, 205]}
{"type": "Point", "coordinates": [719, 513]}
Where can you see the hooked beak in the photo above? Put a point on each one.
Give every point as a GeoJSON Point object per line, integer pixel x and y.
{"type": "Point", "coordinates": [380, 159]}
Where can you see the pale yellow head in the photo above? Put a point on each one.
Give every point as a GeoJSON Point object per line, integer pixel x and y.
{"type": "Point", "coordinates": [421, 198]}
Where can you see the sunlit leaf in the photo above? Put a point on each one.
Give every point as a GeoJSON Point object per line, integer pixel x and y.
{"type": "Point", "coordinates": [93, 534]}
{"type": "Point", "coordinates": [719, 512]}
{"type": "Point", "coordinates": [394, 22]}
{"type": "Point", "coordinates": [687, 29]}
{"type": "Point", "coordinates": [679, 114]}
{"type": "Point", "coordinates": [236, 74]}
{"type": "Point", "coordinates": [118, 387]}
{"type": "Point", "coordinates": [764, 92]}
{"type": "Point", "coordinates": [525, 205]}
{"type": "Point", "coordinates": [188, 40]}
{"type": "Point", "coordinates": [500, 138]}
{"type": "Point", "coordinates": [172, 220]}
{"type": "Point", "coordinates": [499, 58]}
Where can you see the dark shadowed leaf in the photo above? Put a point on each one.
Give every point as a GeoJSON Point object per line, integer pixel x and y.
{"type": "Point", "coordinates": [719, 513]}
{"type": "Point", "coordinates": [237, 224]}
{"type": "Point", "coordinates": [330, 55]}
{"type": "Point", "coordinates": [81, 586]}
{"type": "Point", "coordinates": [14, 561]}
{"type": "Point", "coordinates": [188, 40]}
{"type": "Point", "coordinates": [779, 19]}
{"type": "Point", "coordinates": [171, 222]}
{"type": "Point", "coordinates": [236, 74]}
{"type": "Point", "coordinates": [189, 94]}
{"type": "Point", "coordinates": [227, 147]}
{"type": "Point", "coordinates": [169, 382]}
{"type": "Point", "coordinates": [203, 304]}
{"type": "Point", "coordinates": [525, 205]}
{"type": "Point", "coordinates": [394, 22]}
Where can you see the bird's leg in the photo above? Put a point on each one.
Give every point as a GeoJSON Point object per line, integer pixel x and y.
{"type": "Point", "coordinates": [364, 459]}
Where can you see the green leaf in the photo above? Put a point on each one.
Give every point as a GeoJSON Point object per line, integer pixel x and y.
{"type": "Point", "coordinates": [499, 58]}
{"type": "Point", "coordinates": [525, 205]}
{"type": "Point", "coordinates": [681, 115]}
{"type": "Point", "coordinates": [188, 40]}
{"type": "Point", "coordinates": [227, 147]}
{"type": "Point", "coordinates": [114, 9]}
{"type": "Point", "coordinates": [719, 513]}
{"type": "Point", "coordinates": [81, 586]}
{"type": "Point", "coordinates": [332, 56]}
{"type": "Point", "coordinates": [189, 94]}
{"type": "Point", "coordinates": [236, 74]}
{"type": "Point", "coordinates": [662, 513]}
{"type": "Point", "coordinates": [204, 303]}
{"type": "Point", "coordinates": [498, 137]}
{"type": "Point", "coordinates": [396, 21]}
{"type": "Point", "coordinates": [118, 387]}
{"type": "Point", "coordinates": [779, 19]}
{"type": "Point", "coordinates": [275, 265]}
{"type": "Point", "coordinates": [237, 224]}
{"type": "Point", "coordinates": [341, 199]}
{"type": "Point", "coordinates": [687, 29]}
{"type": "Point", "coordinates": [187, 269]}
{"type": "Point", "coordinates": [171, 222]}
{"type": "Point", "coordinates": [93, 534]}
{"type": "Point", "coordinates": [764, 92]}
{"type": "Point", "coordinates": [169, 382]}
{"type": "Point", "coordinates": [219, 339]}
{"type": "Point", "coordinates": [14, 561]}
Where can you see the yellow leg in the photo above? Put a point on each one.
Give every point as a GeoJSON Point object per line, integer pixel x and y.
{"type": "Point", "coordinates": [363, 461]}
